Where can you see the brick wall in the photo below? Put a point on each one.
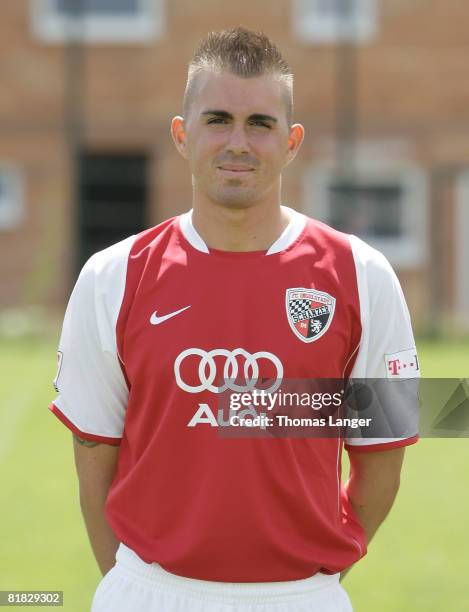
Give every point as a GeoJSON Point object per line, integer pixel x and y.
{"type": "Point", "coordinates": [411, 86]}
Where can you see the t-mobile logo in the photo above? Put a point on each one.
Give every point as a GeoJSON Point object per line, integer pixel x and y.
{"type": "Point", "coordinates": [403, 364]}
{"type": "Point", "coordinates": [394, 366]}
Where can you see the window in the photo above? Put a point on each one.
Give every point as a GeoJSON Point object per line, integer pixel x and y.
{"type": "Point", "coordinates": [11, 199]}
{"type": "Point", "coordinates": [97, 7]}
{"type": "Point", "coordinates": [98, 21]}
{"type": "Point", "coordinates": [366, 209]}
{"type": "Point", "coordinates": [331, 21]}
{"type": "Point", "coordinates": [114, 192]}
{"type": "Point", "coordinates": [385, 206]}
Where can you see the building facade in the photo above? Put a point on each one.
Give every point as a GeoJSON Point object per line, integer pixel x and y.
{"type": "Point", "coordinates": [89, 88]}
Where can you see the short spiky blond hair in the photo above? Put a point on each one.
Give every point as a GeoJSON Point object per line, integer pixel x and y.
{"type": "Point", "coordinates": [244, 53]}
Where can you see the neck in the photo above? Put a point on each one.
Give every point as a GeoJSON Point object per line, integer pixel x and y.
{"type": "Point", "coordinates": [247, 229]}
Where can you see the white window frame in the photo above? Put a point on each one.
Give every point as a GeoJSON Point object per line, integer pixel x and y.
{"type": "Point", "coordinates": [11, 203]}
{"type": "Point", "coordinates": [461, 227]}
{"type": "Point", "coordinates": [311, 26]}
{"type": "Point", "coordinates": [52, 27]}
{"type": "Point", "coordinates": [409, 251]}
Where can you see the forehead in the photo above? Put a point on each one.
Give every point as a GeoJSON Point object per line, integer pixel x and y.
{"type": "Point", "coordinates": [238, 95]}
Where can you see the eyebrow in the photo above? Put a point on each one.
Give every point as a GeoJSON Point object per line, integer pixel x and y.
{"type": "Point", "coordinates": [226, 115]}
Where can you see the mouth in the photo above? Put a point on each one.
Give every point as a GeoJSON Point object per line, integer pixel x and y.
{"type": "Point", "coordinates": [235, 169]}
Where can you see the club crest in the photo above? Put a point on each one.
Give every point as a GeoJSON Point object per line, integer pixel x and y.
{"type": "Point", "coordinates": [309, 312]}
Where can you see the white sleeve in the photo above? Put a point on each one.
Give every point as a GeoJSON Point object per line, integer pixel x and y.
{"type": "Point", "coordinates": [387, 347]}
{"type": "Point", "coordinates": [92, 389]}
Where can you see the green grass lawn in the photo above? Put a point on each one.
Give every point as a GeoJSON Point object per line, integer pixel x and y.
{"type": "Point", "coordinates": [418, 561]}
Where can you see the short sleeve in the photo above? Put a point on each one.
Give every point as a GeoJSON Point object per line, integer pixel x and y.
{"type": "Point", "coordinates": [387, 356]}
{"type": "Point", "coordinates": [92, 389]}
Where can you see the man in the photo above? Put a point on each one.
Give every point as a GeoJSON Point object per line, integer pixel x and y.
{"type": "Point", "coordinates": [237, 291]}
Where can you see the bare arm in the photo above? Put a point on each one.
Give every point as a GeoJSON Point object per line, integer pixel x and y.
{"type": "Point", "coordinates": [372, 486]}
{"type": "Point", "coordinates": [96, 465]}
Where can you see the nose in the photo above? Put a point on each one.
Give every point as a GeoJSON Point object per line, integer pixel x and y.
{"type": "Point", "coordinates": [238, 142]}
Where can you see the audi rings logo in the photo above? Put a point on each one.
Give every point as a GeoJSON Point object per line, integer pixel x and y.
{"type": "Point", "coordinates": [207, 371]}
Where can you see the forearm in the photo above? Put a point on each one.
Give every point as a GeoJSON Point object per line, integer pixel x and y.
{"type": "Point", "coordinates": [96, 465]}
{"type": "Point", "coordinates": [372, 488]}
{"type": "Point", "coordinates": [371, 501]}
{"type": "Point", "coordinates": [102, 539]}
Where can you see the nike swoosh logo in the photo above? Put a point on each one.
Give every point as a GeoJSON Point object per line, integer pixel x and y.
{"type": "Point", "coordinates": [156, 320]}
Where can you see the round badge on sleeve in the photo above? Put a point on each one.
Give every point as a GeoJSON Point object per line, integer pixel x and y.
{"type": "Point", "coordinates": [309, 312]}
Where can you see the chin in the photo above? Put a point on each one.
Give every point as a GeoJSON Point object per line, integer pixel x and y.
{"type": "Point", "coordinates": [235, 202]}
{"type": "Point", "coordinates": [234, 198]}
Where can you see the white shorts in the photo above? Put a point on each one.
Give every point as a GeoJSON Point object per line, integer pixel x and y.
{"type": "Point", "coordinates": [135, 586]}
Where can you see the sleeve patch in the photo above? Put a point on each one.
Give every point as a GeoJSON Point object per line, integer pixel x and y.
{"type": "Point", "coordinates": [59, 367]}
{"type": "Point", "coordinates": [403, 364]}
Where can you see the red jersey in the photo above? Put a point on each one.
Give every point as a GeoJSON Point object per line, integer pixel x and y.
{"type": "Point", "coordinates": [154, 324]}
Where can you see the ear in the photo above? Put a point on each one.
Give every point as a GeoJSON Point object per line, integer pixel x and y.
{"type": "Point", "coordinates": [297, 134]}
{"type": "Point", "coordinates": [178, 132]}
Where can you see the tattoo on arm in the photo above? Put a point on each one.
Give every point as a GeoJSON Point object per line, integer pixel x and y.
{"type": "Point", "coordinates": [88, 443]}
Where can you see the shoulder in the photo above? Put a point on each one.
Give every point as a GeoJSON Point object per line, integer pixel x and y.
{"type": "Point", "coordinates": [109, 259]}
{"type": "Point", "coordinates": [367, 255]}
{"type": "Point", "coordinates": [371, 264]}
{"type": "Point", "coordinates": [334, 243]}
{"type": "Point", "coordinates": [326, 238]}
{"type": "Point", "coordinates": [113, 260]}
{"type": "Point", "coordinates": [378, 285]}
{"type": "Point", "coordinates": [373, 271]}
{"type": "Point", "coordinates": [363, 253]}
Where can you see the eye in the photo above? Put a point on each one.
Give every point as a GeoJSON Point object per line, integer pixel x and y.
{"type": "Point", "coordinates": [217, 120]}
{"type": "Point", "coordinates": [260, 123]}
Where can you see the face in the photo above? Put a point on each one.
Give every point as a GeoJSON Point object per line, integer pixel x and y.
{"type": "Point", "coordinates": [236, 138]}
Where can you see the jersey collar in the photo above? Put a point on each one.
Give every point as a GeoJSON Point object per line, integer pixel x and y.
{"type": "Point", "coordinates": [286, 238]}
